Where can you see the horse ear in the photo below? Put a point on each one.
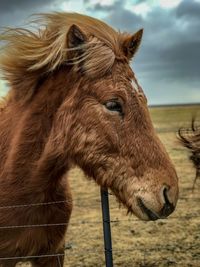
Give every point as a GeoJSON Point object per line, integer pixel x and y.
{"type": "Point", "coordinates": [75, 37]}
{"type": "Point", "coordinates": [132, 43]}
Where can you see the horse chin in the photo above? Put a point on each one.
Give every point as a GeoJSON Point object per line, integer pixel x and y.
{"type": "Point", "coordinates": [149, 214]}
{"type": "Point", "coordinates": [142, 212]}
{"type": "Point", "coordinates": [144, 217]}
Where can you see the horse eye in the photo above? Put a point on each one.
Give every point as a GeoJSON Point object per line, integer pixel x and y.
{"type": "Point", "coordinates": [114, 106]}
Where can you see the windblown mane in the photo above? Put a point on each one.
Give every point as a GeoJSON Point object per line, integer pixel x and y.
{"type": "Point", "coordinates": [190, 138]}
{"type": "Point", "coordinates": [3, 102]}
{"type": "Point", "coordinates": [34, 53]}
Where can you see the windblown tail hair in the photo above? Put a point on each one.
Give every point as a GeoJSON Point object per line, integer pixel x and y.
{"type": "Point", "coordinates": [190, 138]}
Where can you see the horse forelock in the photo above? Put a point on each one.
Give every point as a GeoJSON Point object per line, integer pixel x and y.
{"type": "Point", "coordinates": [28, 52]}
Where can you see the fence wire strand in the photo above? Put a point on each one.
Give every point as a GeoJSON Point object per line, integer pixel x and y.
{"type": "Point", "coordinates": [89, 222]}
{"type": "Point", "coordinates": [32, 256]}
{"type": "Point", "coordinates": [75, 223]}
{"type": "Point", "coordinates": [137, 248]}
{"type": "Point", "coordinates": [72, 201]}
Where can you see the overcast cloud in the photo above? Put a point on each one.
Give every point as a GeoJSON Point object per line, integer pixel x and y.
{"type": "Point", "coordinates": [168, 62]}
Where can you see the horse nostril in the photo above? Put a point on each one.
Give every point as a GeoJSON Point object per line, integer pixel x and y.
{"type": "Point", "coordinates": [165, 190]}
{"type": "Point", "coordinates": [168, 207]}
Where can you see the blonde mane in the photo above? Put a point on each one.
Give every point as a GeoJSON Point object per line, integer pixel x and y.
{"type": "Point", "coordinates": [31, 53]}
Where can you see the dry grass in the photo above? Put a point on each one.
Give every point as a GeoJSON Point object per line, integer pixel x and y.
{"type": "Point", "coordinates": [171, 242]}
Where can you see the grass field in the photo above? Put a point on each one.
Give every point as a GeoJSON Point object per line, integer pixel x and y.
{"type": "Point", "coordinates": [171, 242]}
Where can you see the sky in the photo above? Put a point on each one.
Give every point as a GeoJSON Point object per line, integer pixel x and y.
{"type": "Point", "coordinates": [167, 64]}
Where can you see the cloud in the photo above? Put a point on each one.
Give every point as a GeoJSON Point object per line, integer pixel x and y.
{"type": "Point", "coordinates": [188, 9]}
{"type": "Point", "coordinates": [116, 14]}
{"type": "Point", "coordinates": [168, 61]}
{"type": "Point", "coordinates": [170, 44]}
{"type": "Point", "coordinates": [7, 6]}
{"type": "Point", "coordinates": [169, 58]}
{"type": "Point", "coordinates": [99, 7]}
{"type": "Point", "coordinates": [123, 19]}
{"type": "Point", "coordinates": [95, 4]}
{"type": "Point", "coordinates": [15, 12]}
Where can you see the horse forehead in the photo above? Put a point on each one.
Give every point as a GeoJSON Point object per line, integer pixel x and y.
{"type": "Point", "coordinates": [123, 71]}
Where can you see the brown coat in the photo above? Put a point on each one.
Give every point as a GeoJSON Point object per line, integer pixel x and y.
{"type": "Point", "coordinates": [73, 102]}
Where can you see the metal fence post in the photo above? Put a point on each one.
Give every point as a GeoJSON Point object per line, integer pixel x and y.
{"type": "Point", "coordinates": [106, 228]}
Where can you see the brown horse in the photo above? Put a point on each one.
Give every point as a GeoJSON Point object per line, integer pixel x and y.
{"type": "Point", "coordinates": [190, 138]}
{"type": "Point", "coordinates": [74, 100]}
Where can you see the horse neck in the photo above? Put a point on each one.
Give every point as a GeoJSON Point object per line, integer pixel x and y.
{"type": "Point", "coordinates": [30, 161]}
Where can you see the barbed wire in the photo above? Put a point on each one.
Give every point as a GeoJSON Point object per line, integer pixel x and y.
{"type": "Point", "coordinates": [134, 220]}
{"type": "Point", "coordinates": [116, 251]}
{"type": "Point", "coordinates": [75, 223]}
{"type": "Point", "coordinates": [45, 203]}
{"type": "Point", "coordinates": [73, 201]}
{"type": "Point", "coordinates": [92, 222]}
{"type": "Point", "coordinates": [33, 225]}
{"type": "Point", "coordinates": [32, 256]}
{"type": "Point", "coordinates": [171, 247]}
{"type": "Point", "coordinates": [137, 248]}
{"type": "Point", "coordinates": [36, 204]}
